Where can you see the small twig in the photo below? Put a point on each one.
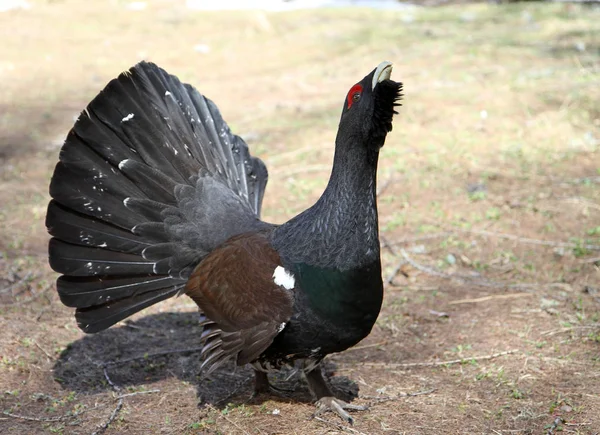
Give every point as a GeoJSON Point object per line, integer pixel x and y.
{"type": "Point", "coordinates": [16, 284]}
{"type": "Point", "coordinates": [488, 298]}
{"type": "Point", "coordinates": [148, 355]}
{"type": "Point", "coordinates": [42, 312]}
{"type": "Point", "coordinates": [463, 278]}
{"type": "Point", "coordinates": [577, 1]}
{"type": "Point", "coordinates": [528, 240]}
{"type": "Point", "coordinates": [591, 260]}
{"type": "Point", "coordinates": [40, 419]}
{"type": "Point", "coordinates": [43, 350]}
{"type": "Point", "coordinates": [419, 288]}
{"type": "Point", "coordinates": [390, 279]}
{"type": "Point", "coordinates": [582, 201]}
{"type": "Point", "coordinates": [577, 424]}
{"type": "Point", "coordinates": [440, 363]}
{"type": "Point", "coordinates": [572, 328]}
{"type": "Point", "coordinates": [421, 238]}
{"type": "Point", "coordinates": [115, 412]}
{"type": "Point", "coordinates": [53, 419]}
{"type": "Point", "coordinates": [555, 425]}
{"type": "Point", "coordinates": [593, 292]}
{"type": "Point", "coordinates": [338, 426]}
{"type": "Point", "coordinates": [137, 392]}
{"type": "Point", "coordinates": [386, 244]}
{"type": "Point", "coordinates": [31, 299]}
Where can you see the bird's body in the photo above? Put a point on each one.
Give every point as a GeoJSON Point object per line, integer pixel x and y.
{"type": "Point", "coordinates": [154, 196]}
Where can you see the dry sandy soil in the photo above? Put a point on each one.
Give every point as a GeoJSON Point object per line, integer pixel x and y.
{"type": "Point", "coordinates": [489, 213]}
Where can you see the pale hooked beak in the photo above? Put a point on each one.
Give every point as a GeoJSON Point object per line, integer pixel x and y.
{"type": "Point", "coordinates": [383, 72]}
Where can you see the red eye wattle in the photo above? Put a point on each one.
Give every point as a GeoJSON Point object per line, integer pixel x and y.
{"type": "Point", "coordinates": [354, 94]}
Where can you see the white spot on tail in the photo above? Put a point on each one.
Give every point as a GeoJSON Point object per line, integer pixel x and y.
{"type": "Point", "coordinates": [167, 93]}
{"type": "Point", "coordinates": [126, 202]}
{"type": "Point", "coordinates": [283, 278]}
{"type": "Point", "coordinates": [280, 327]}
{"type": "Point", "coordinates": [128, 118]}
{"type": "Point", "coordinates": [123, 163]}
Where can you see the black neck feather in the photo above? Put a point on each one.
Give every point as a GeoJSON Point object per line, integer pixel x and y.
{"type": "Point", "coordinates": [341, 230]}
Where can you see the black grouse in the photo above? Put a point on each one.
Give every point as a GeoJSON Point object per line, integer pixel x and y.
{"type": "Point", "coordinates": [154, 196]}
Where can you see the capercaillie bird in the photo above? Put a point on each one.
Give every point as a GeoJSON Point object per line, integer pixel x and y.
{"type": "Point", "coordinates": [153, 196]}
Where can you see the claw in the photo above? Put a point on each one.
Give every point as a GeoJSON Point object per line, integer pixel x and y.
{"type": "Point", "coordinates": [337, 406]}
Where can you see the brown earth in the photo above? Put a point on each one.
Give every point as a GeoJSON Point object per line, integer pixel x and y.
{"type": "Point", "coordinates": [489, 214]}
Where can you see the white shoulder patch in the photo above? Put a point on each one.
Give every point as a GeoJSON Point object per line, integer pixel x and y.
{"type": "Point", "coordinates": [283, 278]}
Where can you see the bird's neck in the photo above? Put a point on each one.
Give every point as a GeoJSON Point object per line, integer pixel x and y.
{"type": "Point", "coordinates": [341, 230]}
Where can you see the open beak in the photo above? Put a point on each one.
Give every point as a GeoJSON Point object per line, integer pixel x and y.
{"type": "Point", "coordinates": [383, 72]}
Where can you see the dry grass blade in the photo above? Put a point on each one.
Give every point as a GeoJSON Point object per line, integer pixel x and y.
{"type": "Point", "coordinates": [439, 363]}
{"type": "Point", "coordinates": [379, 399]}
{"type": "Point", "coordinates": [489, 298]}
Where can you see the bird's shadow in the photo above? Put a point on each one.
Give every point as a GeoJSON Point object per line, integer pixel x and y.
{"type": "Point", "coordinates": [167, 345]}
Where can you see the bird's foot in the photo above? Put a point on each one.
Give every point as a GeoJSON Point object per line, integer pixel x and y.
{"type": "Point", "coordinates": [330, 403]}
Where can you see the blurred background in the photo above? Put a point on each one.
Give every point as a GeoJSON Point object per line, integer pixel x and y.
{"type": "Point", "coordinates": [489, 202]}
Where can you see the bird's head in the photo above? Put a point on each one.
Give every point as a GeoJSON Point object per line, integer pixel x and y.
{"type": "Point", "coordinates": [369, 108]}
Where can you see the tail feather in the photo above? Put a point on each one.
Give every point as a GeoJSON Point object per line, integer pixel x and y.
{"type": "Point", "coordinates": [87, 184]}
{"type": "Point", "coordinates": [78, 229]}
{"type": "Point", "coordinates": [146, 207]}
{"type": "Point", "coordinates": [76, 260]}
{"type": "Point", "coordinates": [150, 179]}
{"type": "Point", "coordinates": [77, 291]}
{"type": "Point", "coordinates": [117, 109]}
{"type": "Point", "coordinates": [100, 317]}
{"type": "Point", "coordinates": [152, 182]}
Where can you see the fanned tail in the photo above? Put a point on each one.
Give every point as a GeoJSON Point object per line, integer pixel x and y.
{"type": "Point", "coordinates": [150, 180]}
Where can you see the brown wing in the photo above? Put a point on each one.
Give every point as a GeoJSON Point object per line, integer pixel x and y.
{"type": "Point", "coordinates": [243, 307]}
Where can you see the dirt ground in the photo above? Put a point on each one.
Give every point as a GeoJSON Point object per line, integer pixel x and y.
{"type": "Point", "coordinates": [489, 212]}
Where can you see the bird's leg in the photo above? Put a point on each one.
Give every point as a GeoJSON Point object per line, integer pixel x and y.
{"type": "Point", "coordinates": [261, 383]}
{"type": "Point", "coordinates": [263, 386]}
{"type": "Point", "coordinates": [326, 401]}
